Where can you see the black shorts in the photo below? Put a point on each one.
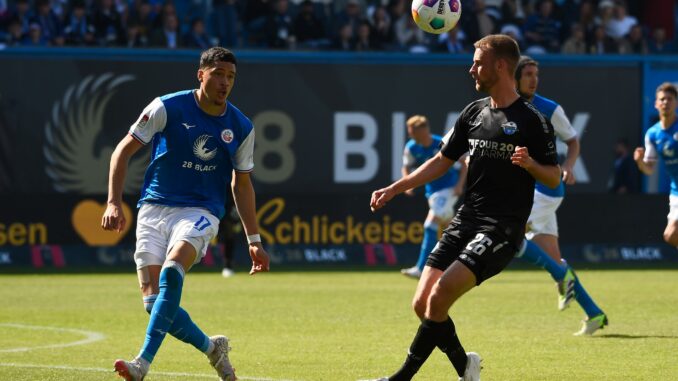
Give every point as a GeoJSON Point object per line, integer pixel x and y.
{"type": "Point", "coordinates": [484, 248]}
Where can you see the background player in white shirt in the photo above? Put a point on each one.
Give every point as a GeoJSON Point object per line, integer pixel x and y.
{"type": "Point", "coordinates": [661, 142]}
{"type": "Point", "coordinates": [542, 249]}
{"type": "Point", "coordinates": [201, 143]}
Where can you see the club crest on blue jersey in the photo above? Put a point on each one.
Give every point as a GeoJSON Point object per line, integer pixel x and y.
{"type": "Point", "coordinates": [227, 136]}
{"type": "Point", "coordinates": [675, 136]}
{"type": "Point", "coordinates": [201, 150]}
{"type": "Point", "coordinates": [668, 150]}
{"type": "Point", "coordinates": [142, 122]}
{"type": "Point", "coordinates": [509, 128]}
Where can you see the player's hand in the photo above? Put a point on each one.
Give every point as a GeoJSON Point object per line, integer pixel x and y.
{"type": "Point", "coordinates": [380, 197]}
{"type": "Point", "coordinates": [568, 176]}
{"type": "Point", "coordinates": [260, 260]}
{"type": "Point", "coordinates": [409, 192]}
{"type": "Point", "coordinates": [113, 218]}
{"type": "Point", "coordinates": [521, 157]}
{"type": "Point", "coordinates": [638, 154]}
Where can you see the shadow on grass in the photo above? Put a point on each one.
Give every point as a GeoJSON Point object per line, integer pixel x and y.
{"type": "Point", "coordinates": [623, 336]}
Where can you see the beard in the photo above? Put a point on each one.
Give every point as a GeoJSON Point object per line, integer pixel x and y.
{"type": "Point", "coordinates": [486, 84]}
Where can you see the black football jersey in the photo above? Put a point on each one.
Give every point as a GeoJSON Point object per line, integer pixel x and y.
{"type": "Point", "coordinates": [496, 189]}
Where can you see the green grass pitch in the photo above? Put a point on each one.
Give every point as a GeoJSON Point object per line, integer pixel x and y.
{"type": "Point", "coordinates": [340, 326]}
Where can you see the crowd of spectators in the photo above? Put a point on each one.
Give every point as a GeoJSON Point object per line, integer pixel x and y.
{"type": "Point", "coordinates": [540, 26]}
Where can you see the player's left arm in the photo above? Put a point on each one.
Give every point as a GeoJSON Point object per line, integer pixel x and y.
{"type": "Point", "coordinates": [547, 174]}
{"type": "Point", "coordinates": [245, 202]}
{"type": "Point", "coordinates": [564, 131]}
{"type": "Point", "coordinates": [244, 198]}
{"type": "Point", "coordinates": [541, 160]}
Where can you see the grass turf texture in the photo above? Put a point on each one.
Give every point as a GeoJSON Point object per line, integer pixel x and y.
{"type": "Point", "coordinates": [343, 326]}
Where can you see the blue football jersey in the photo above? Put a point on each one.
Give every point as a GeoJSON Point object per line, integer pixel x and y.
{"type": "Point", "coordinates": [193, 153]}
{"type": "Point", "coordinates": [562, 130]}
{"type": "Point", "coordinates": [663, 143]}
{"type": "Point", "coordinates": [416, 155]}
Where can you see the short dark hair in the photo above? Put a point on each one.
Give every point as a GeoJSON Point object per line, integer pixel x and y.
{"type": "Point", "coordinates": [503, 47]}
{"type": "Point", "coordinates": [524, 61]}
{"type": "Point", "coordinates": [668, 87]}
{"type": "Point", "coordinates": [211, 56]}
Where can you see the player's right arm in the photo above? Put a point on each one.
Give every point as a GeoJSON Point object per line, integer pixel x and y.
{"type": "Point", "coordinates": [113, 218]}
{"type": "Point", "coordinates": [430, 170]}
{"type": "Point", "coordinates": [646, 158]}
{"type": "Point", "coordinates": [151, 121]}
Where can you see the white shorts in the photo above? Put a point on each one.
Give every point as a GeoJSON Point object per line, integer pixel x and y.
{"type": "Point", "coordinates": [160, 227]}
{"type": "Point", "coordinates": [542, 218]}
{"type": "Point", "coordinates": [442, 203]}
{"type": "Point", "coordinates": [673, 208]}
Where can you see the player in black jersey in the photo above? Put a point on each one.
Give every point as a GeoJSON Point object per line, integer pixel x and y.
{"type": "Point", "coordinates": [510, 144]}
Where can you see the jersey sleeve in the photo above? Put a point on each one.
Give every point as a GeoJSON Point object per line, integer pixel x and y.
{"type": "Point", "coordinates": [542, 142]}
{"type": "Point", "coordinates": [151, 121]}
{"type": "Point", "coordinates": [561, 125]}
{"type": "Point", "coordinates": [455, 142]}
{"type": "Point", "coordinates": [650, 150]}
{"type": "Point", "coordinates": [243, 159]}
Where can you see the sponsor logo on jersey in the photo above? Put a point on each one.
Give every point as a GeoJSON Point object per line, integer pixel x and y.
{"type": "Point", "coordinates": [188, 125]}
{"type": "Point", "coordinates": [142, 122]}
{"type": "Point", "coordinates": [509, 128]}
{"type": "Point", "coordinates": [491, 149]}
{"type": "Point", "coordinates": [227, 136]}
{"type": "Point", "coordinates": [200, 149]}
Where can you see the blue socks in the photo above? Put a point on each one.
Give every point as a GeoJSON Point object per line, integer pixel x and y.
{"type": "Point", "coordinates": [167, 316]}
{"type": "Point", "coordinates": [584, 300]}
{"type": "Point", "coordinates": [535, 255]}
{"type": "Point", "coordinates": [428, 243]}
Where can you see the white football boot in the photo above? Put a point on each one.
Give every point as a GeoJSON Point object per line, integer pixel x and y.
{"type": "Point", "coordinates": [219, 359]}
{"type": "Point", "coordinates": [131, 370]}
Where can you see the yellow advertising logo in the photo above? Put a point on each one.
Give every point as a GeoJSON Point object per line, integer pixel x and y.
{"type": "Point", "coordinates": [86, 219]}
{"type": "Point", "coordinates": [320, 229]}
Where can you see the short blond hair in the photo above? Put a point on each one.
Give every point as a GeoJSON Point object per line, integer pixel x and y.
{"type": "Point", "coordinates": [417, 122]}
{"type": "Point", "coordinates": [502, 47]}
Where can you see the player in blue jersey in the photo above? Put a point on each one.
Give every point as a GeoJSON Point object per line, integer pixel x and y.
{"type": "Point", "coordinates": [442, 193]}
{"type": "Point", "coordinates": [201, 143]}
{"type": "Point", "coordinates": [661, 142]}
{"type": "Point", "coordinates": [541, 246]}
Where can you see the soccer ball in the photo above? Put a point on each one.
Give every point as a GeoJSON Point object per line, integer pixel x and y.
{"type": "Point", "coordinates": [436, 16]}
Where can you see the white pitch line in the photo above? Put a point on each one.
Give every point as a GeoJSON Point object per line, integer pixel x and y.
{"type": "Point", "coordinates": [103, 370]}
{"type": "Point", "coordinates": [90, 337]}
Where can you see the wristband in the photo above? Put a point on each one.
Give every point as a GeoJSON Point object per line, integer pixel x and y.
{"type": "Point", "coordinates": [253, 238]}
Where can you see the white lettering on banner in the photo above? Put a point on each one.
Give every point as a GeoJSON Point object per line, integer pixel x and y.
{"type": "Point", "coordinates": [325, 255]}
{"type": "Point", "coordinates": [641, 253]}
{"type": "Point", "coordinates": [397, 144]}
{"type": "Point", "coordinates": [279, 147]}
{"type": "Point", "coordinates": [579, 124]}
{"type": "Point", "coordinates": [343, 147]}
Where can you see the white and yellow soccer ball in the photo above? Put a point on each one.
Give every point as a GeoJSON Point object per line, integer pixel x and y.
{"type": "Point", "coordinates": [436, 16]}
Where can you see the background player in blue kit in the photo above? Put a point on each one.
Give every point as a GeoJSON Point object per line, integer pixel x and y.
{"type": "Point", "coordinates": [201, 144]}
{"type": "Point", "coordinates": [661, 142]}
{"type": "Point", "coordinates": [542, 247]}
{"type": "Point", "coordinates": [442, 193]}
